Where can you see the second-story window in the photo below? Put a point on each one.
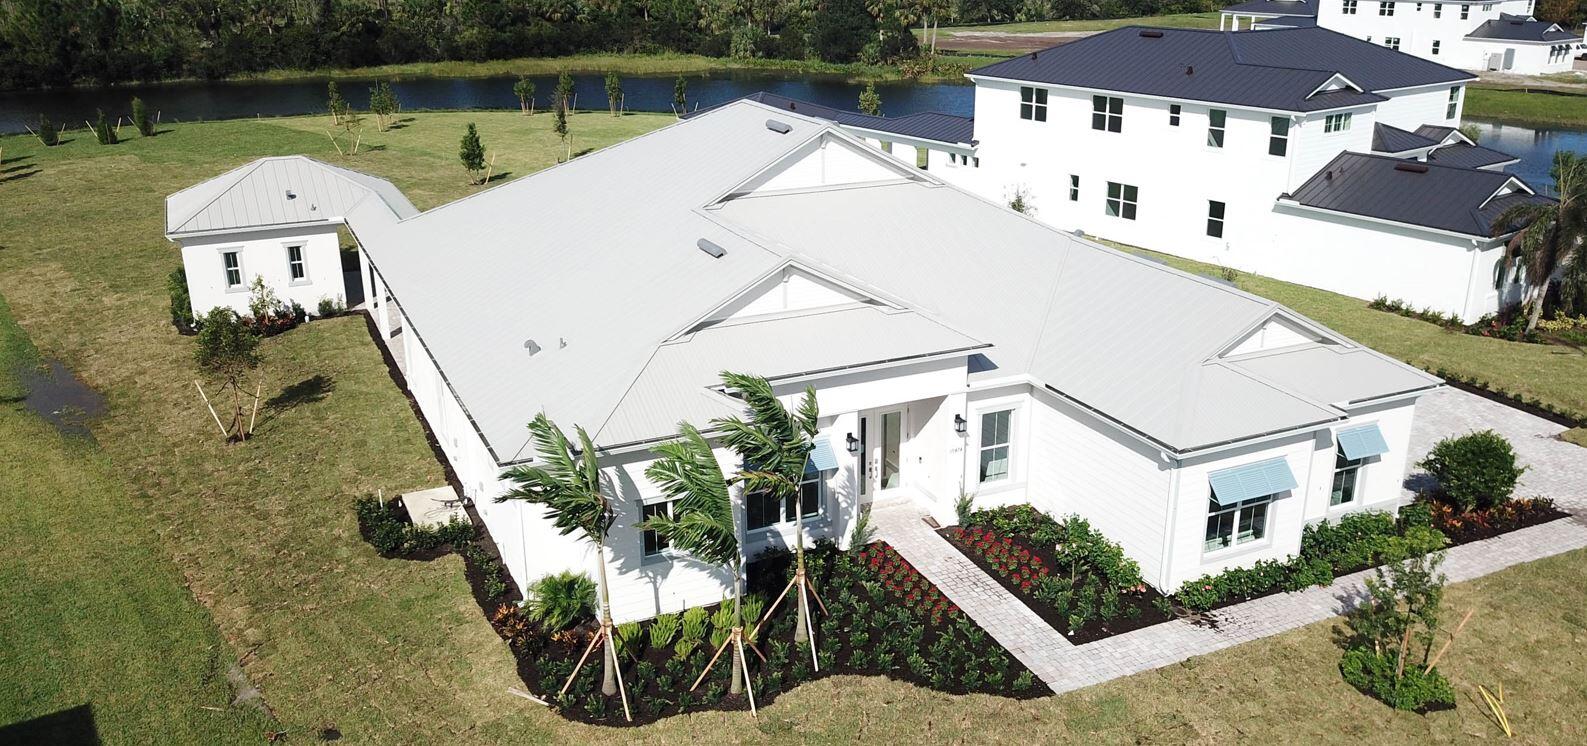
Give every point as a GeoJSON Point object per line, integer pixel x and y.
{"type": "Point", "coordinates": [1336, 123]}
{"type": "Point", "coordinates": [1438, 10]}
{"type": "Point", "coordinates": [1107, 113]}
{"type": "Point", "coordinates": [1033, 103]}
{"type": "Point", "coordinates": [1349, 8]}
{"type": "Point", "coordinates": [1454, 103]}
{"type": "Point", "coordinates": [1435, 47]}
{"type": "Point", "coordinates": [1121, 200]}
{"type": "Point", "coordinates": [1215, 121]}
{"type": "Point", "coordinates": [1278, 137]}
{"type": "Point", "coordinates": [1074, 187]}
{"type": "Point", "coordinates": [1386, 9]}
{"type": "Point", "coordinates": [1173, 115]}
{"type": "Point", "coordinates": [1215, 211]}
{"type": "Point", "coordinates": [1465, 12]}
{"type": "Point", "coordinates": [1392, 42]}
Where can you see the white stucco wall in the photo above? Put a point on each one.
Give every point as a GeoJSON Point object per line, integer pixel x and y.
{"type": "Point", "coordinates": [264, 254]}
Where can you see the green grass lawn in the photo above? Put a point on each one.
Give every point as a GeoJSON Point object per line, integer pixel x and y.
{"type": "Point", "coordinates": [1524, 107]}
{"type": "Point", "coordinates": [1173, 20]}
{"type": "Point", "coordinates": [136, 570]}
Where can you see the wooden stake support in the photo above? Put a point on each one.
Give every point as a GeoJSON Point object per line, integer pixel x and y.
{"type": "Point", "coordinates": [259, 389]}
{"type": "Point", "coordinates": [604, 637]}
{"type": "Point", "coordinates": [1440, 655]}
{"type": "Point", "coordinates": [337, 144]}
{"type": "Point", "coordinates": [223, 431]}
{"type": "Point", "coordinates": [735, 639]}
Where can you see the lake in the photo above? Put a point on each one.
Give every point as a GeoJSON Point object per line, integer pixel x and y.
{"type": "Point", "coordinates": [1535, 145]}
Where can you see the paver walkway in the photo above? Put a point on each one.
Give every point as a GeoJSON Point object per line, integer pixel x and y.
{"type": "Point", "coordinates": [1557, 470]}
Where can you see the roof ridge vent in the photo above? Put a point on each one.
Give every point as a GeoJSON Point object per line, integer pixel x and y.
{"type": "Point", "coordinates": [1412, 167]}
{"type": "Point", "coordinates": [780, 128]}
{"type": "Point", "coordinates": [712, 248]}
{"type": "Point", "coordinates": [1151, 33]}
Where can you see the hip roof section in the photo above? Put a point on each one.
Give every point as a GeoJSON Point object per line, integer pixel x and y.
{"type": "Point", "coordinates": [279, 192]}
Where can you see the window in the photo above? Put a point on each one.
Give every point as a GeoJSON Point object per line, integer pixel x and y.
{"type": "Point", "coordinates": [761, 509]}
{"type": "Point", "coordinates": [1438, 10]}
{"type": "Point", "coordinates": [1336, 123]}
{"type": "Point", "coordinates": [1074, 187]}
{"type": "Point", "coordinates": [995, 437]}
{"type": "Point", "coordinates": [1385, 9]}
{"type": "Point", "coordinates": [295, 263]}
{"type": "Point", "coordinates": [1349, 8]}
{"type": "Point", "coordinates": [1107, 113]}
{"type": "Point", "coordinates": [1173, 115]}
{"type": "Point", "coordinates": [1278, 136]}
{"type": "Point", "coordinates": [1435, 48]}
{"type": "Point", "coordinates": [1392, 42]}
{"type": "Point", "coordinates": [1215, 122]}
{"type": "Point", "coordinates": [1228, 525]}
{"type": "Point", "coordinates": [1346, 475]}
{"type": "Point", "coordinates": [1121, 200]}
{"type": "Point", "coordinates": [1418, 7]}
{"type": "Point", "coordinates": [1454, 103]}
{"type": "Point", "coordinates": [1465, 12]}
{"type": "Point", "coordinates": [654, 543]}
{"type": "Point", "coordinates": [1033, 103]}
{"type": "Point", "coordinates": [233, 262]}
{"type": "Point", "coordinates": [1215, 218]}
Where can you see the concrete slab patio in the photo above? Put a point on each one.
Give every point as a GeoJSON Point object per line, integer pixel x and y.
{"type": "Point", "coordinates": [436, 506]}
{"type": "Point", "coordinates": [1556, 469]}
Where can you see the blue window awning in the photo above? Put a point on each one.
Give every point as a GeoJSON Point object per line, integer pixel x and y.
{"type": "Point", "coordinates": [1360, 442]}
{"type": "Point", "coordinates": [821, 457]}
{"type": "Point", "coordinates": [1251, 481]}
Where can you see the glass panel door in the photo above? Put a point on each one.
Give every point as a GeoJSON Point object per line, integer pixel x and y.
{"type": "Point", "coordinates": [892, 435]}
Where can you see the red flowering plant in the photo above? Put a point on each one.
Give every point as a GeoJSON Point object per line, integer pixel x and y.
{"type": "Point", "coordinates": [1462, 526]}
{"type": "Point", "coordinates": [904, 582]}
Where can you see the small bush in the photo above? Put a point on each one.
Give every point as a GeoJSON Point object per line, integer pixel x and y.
{"type": "Point", "coordinates": [330, 307]}
{"type": "Point", "coordinates": [140, 118]}
{"type": "Point", "coordinates": [1474, 471]}
{"type": "Point", "coordinates": [559, 600]}
{"type": "Point", "coordinates": [103, 132]}
{"type": "Point", "coordinates": [181, 301]}
{"type": "Point", "coordinates": [48, 134]}
{"type": "Point", "coordinates": [1373, 674]}
{"type": "Point", "coordinates": [662, 629]}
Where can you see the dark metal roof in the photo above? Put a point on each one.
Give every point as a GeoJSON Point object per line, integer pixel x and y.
{"type": "Point", "coordinates": [1469, 156]}
{"type": "Point", "coordinates": [1277, 69]}
{"type": "Point", "coordinates": [1289, 21]}
{"type": "Point", "coordinates": [1275, 7]}
{"type": "Point", "coordinates": [1388, 139]}
{"type": "Point", "coordinates": [1436, 132]}
{"type": "Point", "coordinates": [927, 125]}
{"type": "Point", "coordinates": [1510, 29]}
{"type": "Point", "coordinates": [1459, 200]}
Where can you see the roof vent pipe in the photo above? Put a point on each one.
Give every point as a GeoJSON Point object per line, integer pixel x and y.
{"type": "Point", "coordinates": [1032, 56]}
{"type": "Point", "coordinates": [1151, 33]}
{"type": "Point", "coordinates": [780, 128]}
{"type": "Point", "coordinates": [716, 252]}
{"type": "Point", "coordinates": [1190, 69]}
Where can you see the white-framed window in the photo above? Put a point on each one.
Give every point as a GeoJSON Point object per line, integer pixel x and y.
{"type": "Point", "coordinates": [1173, 115]}
{"type": "Point", "coordinates": [1465, 12]}
{"type": "Point", "coordinates": [1216, 119]}
{"type": "Point", "coordinates": [1454, 103]}
{"type": "Point", "coordinates": [1438, 10]}
{"type": "Point", "coordinates": [1074, 187]}
{"type": "Point", "coordinates": [1231, 525]}
{"type": "Point", "coordinates": [1348, 8]}
{"type": "Point", "coordinates": [653, 543]}
{"type": "Point", "coordinates": [1215, 210]}
{"type": "Point", "coordinates": [1336, 122]}
{"type": "Point", "coordinates": [1347, 476]}
{"type": "Point", "coordinates": [1436, 44]}
{"type": "Point", "coordinates": [1418, 7]}
{"type": "Point", "coordinates": [1033, 103]}
{"type": "Point", "coordinates": [1122, 199]}
{"type": "Point", "coordinates": [975, 161]}
{"type": "Point", "coordinates": [1392, 42]}
{"type": "Point", "coordinates": [1107, 113]}
{"type": "Point", "coordinates": [232, 261]}
{"type": "Point", "coordinates": [1278, 136]}
{"type": "Point", "coordinates": [997, 435]}
{"type": "Point", "coordinates": [762, 510]}
{"type": "Point", "coordinates": [1386, 9]}
{"type": "Point", "coordinates": [295, 267]}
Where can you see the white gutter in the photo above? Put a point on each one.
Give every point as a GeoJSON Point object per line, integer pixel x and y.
{"type": "Point", "coordinates": [1286, 202]}
{"type": "Point", "coordinates": [1214, 104]}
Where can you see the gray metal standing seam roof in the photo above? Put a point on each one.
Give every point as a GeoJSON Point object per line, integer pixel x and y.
{"type": "Point", "coordinates": [927, 125]}
{"type": "Point", "coordinates": [1275, 7]}
{"type": "Point", "coordinates": [1277, 69]}
{"type": "Point", "coordinates": [1460, 200]}
{"type": "Point", "coordinates": [1469, 156]}
{"type": "Point", "coordinates": [1514, 30]}
{"type": "Point", "coordinates": [596, 260]}
{"type": "Point", "coordinates": [1438, 132]}
{"type": "Point", "coordinates": [1390, 139]}
{"type": "Point", "coordinates": [1288, 22]}
{"type": "Point", "coordinates": [276, 192]}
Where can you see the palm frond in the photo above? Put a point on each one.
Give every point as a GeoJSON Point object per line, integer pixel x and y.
{"type": "Point", "coordinates": [702, 519]}
{"type": "Point", "coordinates": [567, 484]}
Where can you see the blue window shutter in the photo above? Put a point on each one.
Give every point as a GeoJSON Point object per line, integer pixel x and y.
{"type": "Point", "coordinates": [1250, 481]}
{"type": "Point", "coordinates": [1361, 442]}
{"type": "Point", "coordinates": [821, 457]}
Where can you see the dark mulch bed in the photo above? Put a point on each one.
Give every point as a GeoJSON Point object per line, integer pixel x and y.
{"type": "Point", "coordinates": [1464, 528]}
{"type": "Point", "coordinates": [1137, 610]}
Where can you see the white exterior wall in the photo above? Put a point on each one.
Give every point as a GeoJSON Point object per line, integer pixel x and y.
{"type": "Point", "coordinates": [1413, 23]}
{"type": "Point", "coordinates": [264, 254]}
{"type": "Point", "coordinates": [1415, 107]}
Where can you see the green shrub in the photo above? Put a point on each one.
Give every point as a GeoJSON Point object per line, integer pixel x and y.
{"type": "Point", "coordinates": [694, 624]}
{"type": "Point", "coordinates": [104, 134]}
{"type": "Point", "coordinates": [662, 629]}
{"type": "Point", "coordinates": [1373, 674]}
{"type": "Point", "coordinates": [559, 600]}
{"type": "Point", "coordinates": [629, 636]}
{"type": "Point", "coordinates": [181, 301]}
{"type": "Point", "coordinates": [1351, 543]}
{"type": "Point", "coordinates": [140, 118]}
{"type": "Point", "coordinates": [1474, 471]}
{"type": "Point", "coordinates": [48, 134]}
{"type": "Point", "coordinates": [329, 307]}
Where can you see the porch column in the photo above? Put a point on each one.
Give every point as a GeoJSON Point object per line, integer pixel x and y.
{"type": "Point", "coordinates": [843, 491]}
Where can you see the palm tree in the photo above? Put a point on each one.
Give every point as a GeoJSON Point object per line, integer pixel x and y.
{"type": "Point", "coordinates": [568, 484]}
{"type": "Point", "coordinates": [775, 446]}
{"type": "Point", "coordinates": [1553, 233]}
{"type": "Point", "coordinates": [702, 516]}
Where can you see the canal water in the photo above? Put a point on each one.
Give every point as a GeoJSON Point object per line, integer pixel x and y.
{"type": "Point", "coordinates": [1535, 145]}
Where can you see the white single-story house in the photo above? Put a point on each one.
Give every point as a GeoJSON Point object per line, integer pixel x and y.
{"type": "Point", "coordinates": [276, 219]}
{"type": "Point", "coordinates": [954, 346]}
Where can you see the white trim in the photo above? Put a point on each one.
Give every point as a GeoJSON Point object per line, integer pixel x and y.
{"type": "Point", "coordinates": [1171, 99]}
{"type": "Point", "coordinates": [303, 260]}
{"type": "Point", "coordinates": [1336, 76]}
{"type": "Point", "coordinates": [1383, 221]}
{"type": "Point", "coordinates": [225, 272]}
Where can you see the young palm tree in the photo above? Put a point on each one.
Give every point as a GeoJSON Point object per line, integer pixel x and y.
{"type": "Point", "coordinates": [1553, 234]}
{"type": "Point", "coordinates": [775, 445]}
{"type": "Point", "coordinates": [568, 484]}
{"type": "Point", "coordinates": [702, 516]}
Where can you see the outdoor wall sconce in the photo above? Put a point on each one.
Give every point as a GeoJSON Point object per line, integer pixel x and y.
{"type": "Point", "coordinates": [959, 425]}
{"type": "Point", "coordinates": [853, 443]}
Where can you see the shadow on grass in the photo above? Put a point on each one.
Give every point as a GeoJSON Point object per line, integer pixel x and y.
{"type": "Point", "coordinates": [6, 176]}
{"type": "Point", "coordinates": [73, 725]}
{"type": "Point", "coordinates": [311, 390]}
{"type": "Point", "coordinates": [498, 176]}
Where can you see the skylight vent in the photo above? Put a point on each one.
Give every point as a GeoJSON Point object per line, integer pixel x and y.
{"type": "Point", "coordinates": [780, 128]}
{"type": "Point", "coordinates": [1151, 33]}
{"type": "Point", "coordinates": [291, 194]}
{"type": "Point", "coordinates": [707, 246]}
{"type": "Point", "coordinates": [1415, 168]}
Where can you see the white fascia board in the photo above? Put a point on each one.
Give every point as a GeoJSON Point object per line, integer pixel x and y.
{"type": "Point", "coordinates": [1336, 76]}
{"type": "Point", "coordinates": [179, 235]}
{"type": "Point", "coordinates": [1527, 42]}
{"type": "Point", "coordinates": [1370, 219]}
{"type": "Point", "coordinates": [1430, 86]}
{"type": "Point", "coordinates": [1171, 99]}
{"type": "Point", "coordinates": [894, 137]}
{"type": "Point", "coordinates": [1496, 192]}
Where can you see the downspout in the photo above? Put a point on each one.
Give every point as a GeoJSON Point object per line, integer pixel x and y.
{"type": "Point", "coordinates": [1168, 526]}
{"type": "Point", "coordinates": [1476, 251]}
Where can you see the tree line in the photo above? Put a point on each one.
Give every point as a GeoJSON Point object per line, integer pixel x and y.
{"type": "Point", "coordinates": [62, 42]}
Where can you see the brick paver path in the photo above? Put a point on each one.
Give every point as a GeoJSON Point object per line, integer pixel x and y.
{"type": "Point", "coordinates": [1557, 470]}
